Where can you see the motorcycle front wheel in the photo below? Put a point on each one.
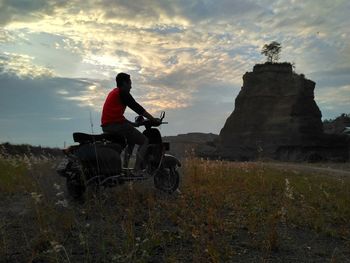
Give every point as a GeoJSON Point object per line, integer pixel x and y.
{"type": "Point", "coordinates": [167, 179]}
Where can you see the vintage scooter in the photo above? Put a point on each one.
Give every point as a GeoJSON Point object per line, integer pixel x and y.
{"type": "Point", "coordinates": [97, 161]}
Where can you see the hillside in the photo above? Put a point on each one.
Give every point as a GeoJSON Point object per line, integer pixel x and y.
{"type": "Point", "coordinates": [196, 143]}
{"type": "Point", "coordinates": [337, 125]}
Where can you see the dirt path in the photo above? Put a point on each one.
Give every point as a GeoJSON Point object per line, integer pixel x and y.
{"type": "Point", "coordinates": [318, 169]}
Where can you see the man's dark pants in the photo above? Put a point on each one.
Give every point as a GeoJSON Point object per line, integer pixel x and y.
{"type": "Point", "coordinates": [132, 135]}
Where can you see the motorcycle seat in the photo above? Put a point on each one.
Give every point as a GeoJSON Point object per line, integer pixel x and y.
{"type": "Point", "coordinates": [90, 138]}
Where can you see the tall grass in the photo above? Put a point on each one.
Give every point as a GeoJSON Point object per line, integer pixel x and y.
{"type": "Point", "coordinates": [222, 212]}
{"type": "Point", "coordinates": [13, 177]}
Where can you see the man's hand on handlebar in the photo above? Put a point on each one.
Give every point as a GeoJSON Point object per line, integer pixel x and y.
{"type": "Point", "coordinates": [149, 121]}
{"type": "Point", "coordinates": [156, 122]}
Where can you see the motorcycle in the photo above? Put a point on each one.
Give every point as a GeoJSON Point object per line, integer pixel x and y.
{"type": "Point", "coordinates": [97, 161]}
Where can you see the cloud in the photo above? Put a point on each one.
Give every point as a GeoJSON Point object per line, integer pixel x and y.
{"type": "Point", "coordinates": [35, 110]}
{"type": "Point", "coordinates": [176, 12]}
{"type": "Point", "coordinates": [5, 36]}
{"type": "Point", "coordinates": [334, 101]}
{"type": "Point", "coordinates": [335, 95]}
{"type": "Point", "coordinates": [184, 57]}
{"type": "Point", "coordinates": [27, 11]}
{"type": "Point", "coordinates": [133, 35]}
{"type": "Point", "coordinates": [47, 110]}
{"type": "Point", "coordinates": [61, 118]}
{"type": "Point", "coordinates": [22, 66]}
{"type": "Point", "coordinates": [91, 94]}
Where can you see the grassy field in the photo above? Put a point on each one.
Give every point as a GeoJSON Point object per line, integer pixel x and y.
{"type": "Point", "coordinates": [224, 212]}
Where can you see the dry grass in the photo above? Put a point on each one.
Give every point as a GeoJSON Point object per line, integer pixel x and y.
{"type": "Point", "coordinates": [13, 176]}
{"type": "Point", "coordinates": [225, 211]}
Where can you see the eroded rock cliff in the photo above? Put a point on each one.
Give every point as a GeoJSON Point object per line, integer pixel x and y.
{"type": "Point", "coordinates": [275, 116]}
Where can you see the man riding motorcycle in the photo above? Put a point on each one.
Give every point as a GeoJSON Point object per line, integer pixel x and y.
{"type": "Point", "coordinates": [113, 120]}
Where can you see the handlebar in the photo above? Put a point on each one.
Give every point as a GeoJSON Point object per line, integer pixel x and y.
{"type": "Point", "coordinates": [148, 123]}
{"type": "Point", "coordinates": [139, 121]}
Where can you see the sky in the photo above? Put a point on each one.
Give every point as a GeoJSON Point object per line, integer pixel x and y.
{"type": "Point", "coordinates": [59, 59]}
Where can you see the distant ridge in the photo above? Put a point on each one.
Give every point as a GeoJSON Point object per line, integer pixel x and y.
{"type": "Point", "coordinates": [194, 143]}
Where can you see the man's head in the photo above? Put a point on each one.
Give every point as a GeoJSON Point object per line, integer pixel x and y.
{"type": "Point", "coordinates": [123, 81]}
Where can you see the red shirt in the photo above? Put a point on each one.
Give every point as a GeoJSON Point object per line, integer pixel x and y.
{"type": "Point", "coordinates": [113, 108]}
{"type": "Point", "coordinates": [115, 105]}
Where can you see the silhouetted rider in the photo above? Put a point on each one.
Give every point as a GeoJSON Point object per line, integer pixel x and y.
{"type": "Point", "coordinates": [113, 120]}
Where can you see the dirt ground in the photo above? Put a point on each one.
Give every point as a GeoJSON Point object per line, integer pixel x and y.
{"type": "Point", "coordinates": [328, 169]}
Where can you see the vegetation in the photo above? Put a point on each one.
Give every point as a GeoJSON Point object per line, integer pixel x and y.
{"type": "Point", "coordinates": [9, 149]}
{"type": "Point", "coordinates": [272, 51]}
{"type": "Point", "coordinates": [12, 177]}
{"type": "Point", "coordinates": [224, 212]}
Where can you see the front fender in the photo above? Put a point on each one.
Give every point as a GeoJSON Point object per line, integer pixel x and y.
{"type": "Point", "coordinates": [170, 161]}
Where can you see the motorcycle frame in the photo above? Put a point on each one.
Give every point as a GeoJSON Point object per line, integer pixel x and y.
{"type": "Point", "coordinates": [123, 176]}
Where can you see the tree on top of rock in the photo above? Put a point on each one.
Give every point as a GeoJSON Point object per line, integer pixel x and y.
{"type": "Point", "coordinates": [272, 51]}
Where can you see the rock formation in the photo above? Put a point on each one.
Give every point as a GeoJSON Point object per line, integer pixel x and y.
{"type": "Point", "coordinates": [275, 116]}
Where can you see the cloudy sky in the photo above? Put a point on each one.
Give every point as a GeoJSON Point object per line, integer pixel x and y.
{"type": "Point", "coordinates": [59, 58]}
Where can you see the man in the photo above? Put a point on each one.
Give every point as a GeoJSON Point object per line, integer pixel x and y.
{"type": "Point", "coordinates": [113, 120]}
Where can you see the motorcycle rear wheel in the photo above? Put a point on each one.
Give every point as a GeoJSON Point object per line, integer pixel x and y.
{"type": "Point", "coordinates": [167, 180]}
{"type": "Point", "coordinates": [75, 186]}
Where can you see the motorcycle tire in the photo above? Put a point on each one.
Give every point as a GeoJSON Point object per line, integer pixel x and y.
{"type": "Point", "coordinates": [167, 180]}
